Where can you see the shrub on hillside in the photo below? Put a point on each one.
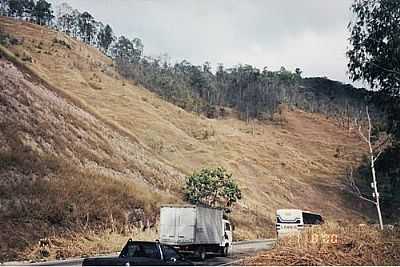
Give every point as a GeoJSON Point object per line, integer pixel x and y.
{"type": "Point", "coordinates": [62, 43]}
{"type": "Point", "coordinates": [27, 58]}
{"type": "Point", "coordinates": [8, 40]}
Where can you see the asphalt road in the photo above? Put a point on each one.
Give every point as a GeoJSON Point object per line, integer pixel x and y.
{"type": "Point", "coordinates": [239, 251]}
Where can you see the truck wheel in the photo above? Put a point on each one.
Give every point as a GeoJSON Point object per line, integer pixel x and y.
{"type": "Point", "coordinates": [201, 253]}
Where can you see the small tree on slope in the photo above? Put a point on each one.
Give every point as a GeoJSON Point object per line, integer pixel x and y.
{"type": "Point", "coordinates": [212, 187]}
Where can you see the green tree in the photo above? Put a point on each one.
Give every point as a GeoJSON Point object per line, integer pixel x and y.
{"type": "Point", "coordinates": [67, 19]}
{"type": "Point", "coordinates": [29, 5]}
{"type": "Point", "coordinates": [123, 49]}
{"type": "Point", "coordinates": [42, 12]}
{"type": "Point", "coordinates": [87, 27]}
{"type": "Point", "coordinates": [212, 187]}
{"type": "Point", "coordinates": [298, 72]}
{"type": "Point", "coordinates": [137, 49]}
{"type": "Point", "coordinates": [375, 41]}
{"type": "Point", "coordinates": [4, 5]}
{"type": "Point", "coordinates": [374, 55]}
{"type": "Point", "coordinates": [15, 8]}
{"type": "Point", "coordinates": [105, 38]}
{"type": "Point", "coordinates": [127, 51]}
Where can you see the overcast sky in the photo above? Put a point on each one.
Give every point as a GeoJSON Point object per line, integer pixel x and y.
{"type": "Point", "coordinates": [309, 34]}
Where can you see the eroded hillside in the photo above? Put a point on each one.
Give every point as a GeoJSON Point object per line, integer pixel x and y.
{"type": "Point", "coordinates": [83, 122]}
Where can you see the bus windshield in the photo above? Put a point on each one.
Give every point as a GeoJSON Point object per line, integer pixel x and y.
{"type": "Point", "coordinates": [312, 218]}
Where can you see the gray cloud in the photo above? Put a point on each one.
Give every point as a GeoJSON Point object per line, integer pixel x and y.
{"type": "Point", "coordinates": [310, 34]}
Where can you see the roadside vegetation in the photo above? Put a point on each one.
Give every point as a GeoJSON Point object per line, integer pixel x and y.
{"type": "Point", "coordinates": [340, 243]}
{"type": "Point", "coordinates": [39, 216]}
{"type": "Point", "coordinates": [85, 243]}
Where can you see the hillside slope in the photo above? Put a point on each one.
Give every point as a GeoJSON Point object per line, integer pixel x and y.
{"type": "Point", "coordinates": [98, 126]}
{"type": "Point", "coordinates": [63, 169]}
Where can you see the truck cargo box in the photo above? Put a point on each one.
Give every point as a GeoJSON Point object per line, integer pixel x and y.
{"type": "Point", "coordinates": [191, 225]}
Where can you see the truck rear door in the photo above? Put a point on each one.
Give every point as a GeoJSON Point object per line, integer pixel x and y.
{"type": "Point", "coordinates": [177, 225]}
{"type": "Point", "coordinates": [185, 225]}
{"type": "Point", "coordinates": [168, 232]}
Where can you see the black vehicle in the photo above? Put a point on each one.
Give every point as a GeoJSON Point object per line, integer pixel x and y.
{"type": "Point", "coordinates": [141, 253]}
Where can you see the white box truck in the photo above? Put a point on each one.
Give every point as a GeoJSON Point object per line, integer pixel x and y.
{"type": "Point", "coordinates": [195, 229]}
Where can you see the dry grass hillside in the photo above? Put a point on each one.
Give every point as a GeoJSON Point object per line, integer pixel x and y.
{"type": "Point", "coordinates": [82, 126]}
{"type": "Point", "coordinates": [62, 169]}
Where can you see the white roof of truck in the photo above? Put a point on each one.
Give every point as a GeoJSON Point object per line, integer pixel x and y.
{"type": "Point", "coordinates": [178, 206]}
{"type": "Point", "coordinates": [188, 206]}
{"type": "Point", "coordinates": [288, 210]}
{"type": "Point", "coordinates": [294, 211]}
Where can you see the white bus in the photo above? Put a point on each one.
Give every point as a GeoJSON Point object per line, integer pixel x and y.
{"type": "Point", "coordinates": [293, 220]}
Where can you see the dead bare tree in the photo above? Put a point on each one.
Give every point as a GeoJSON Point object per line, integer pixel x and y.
{"type": "Point", "coordinates": [373, 159]}
{"type": "Point", "coordinates": [351, 186]}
